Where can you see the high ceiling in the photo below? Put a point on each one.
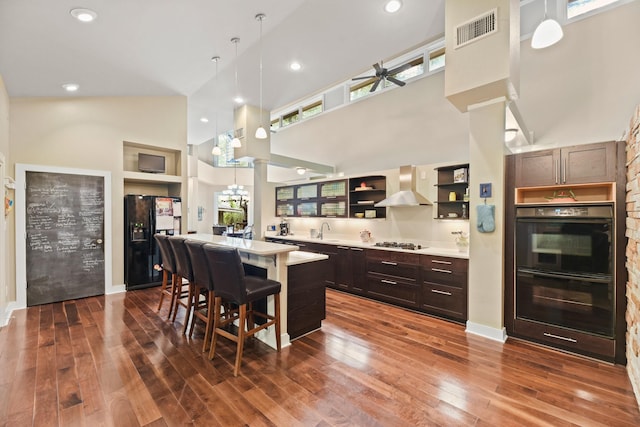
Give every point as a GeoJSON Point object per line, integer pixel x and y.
{"type": "Point", "coordinates": [164, 47]}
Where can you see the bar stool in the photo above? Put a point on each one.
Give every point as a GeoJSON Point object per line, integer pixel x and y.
{"type": "Point", "coordinates": [174, 288]}
{"type": "Point", "coordinates": [202, 285]}
{"type": "Point", "coordinates": [185, 272]}
{"type": "Point", "coordinates": [231, 284]}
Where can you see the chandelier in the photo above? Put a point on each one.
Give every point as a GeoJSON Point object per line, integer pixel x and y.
{"type": "Point", "coordinates": [235, 190]}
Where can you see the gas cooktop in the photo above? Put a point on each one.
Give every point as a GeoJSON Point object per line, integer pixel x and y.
{"type": "Point", "coordinates": [398, 245]}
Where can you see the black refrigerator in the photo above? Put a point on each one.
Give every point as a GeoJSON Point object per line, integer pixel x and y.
{"type": "Point", "coordinates": [145, 216]}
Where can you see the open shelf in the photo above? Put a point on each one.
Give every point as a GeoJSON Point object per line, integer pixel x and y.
{"type": "Point", "coordinates": [585, 193]}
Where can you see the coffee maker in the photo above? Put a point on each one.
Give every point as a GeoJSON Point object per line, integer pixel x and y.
{"type": "Point", "coordinates": [283, 229]}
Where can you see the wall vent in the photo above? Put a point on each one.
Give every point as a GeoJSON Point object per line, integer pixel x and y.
{"type": "Point", "coordinates": [476, 28]}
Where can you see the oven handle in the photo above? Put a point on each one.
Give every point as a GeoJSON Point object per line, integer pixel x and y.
{"type": "Point", "coordinates": [565, 276]}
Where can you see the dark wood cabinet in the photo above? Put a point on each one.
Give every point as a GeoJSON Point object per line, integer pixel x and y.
{"type": "Point", "coordinates": [364, 193]}
{"type": "Point", "coordinates": [306, 299]}
{"type": "Point", "coordinates": [444, 286]}
{"type": "Point", "coordinates": [350, 269]}
{"type": "Point", "coordinates": [596, 174]}
{"type": "Point", "coordinates": [393, 277]}
{"type": "Point", "coordinates": [580, 164]}
{"type": "Point", "coordinates": [453, 192]}
{"type": "Point", "coordinates": [326, 199]}
{"type": "Point", "coordinates": [354, 198]}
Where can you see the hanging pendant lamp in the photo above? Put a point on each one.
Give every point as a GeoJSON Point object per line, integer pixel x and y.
{"type": "Point", "coordinates": [548, 32]}
{"type": "Point", "coordinates": [216, 148]}
{"type": "Point", "coordinates": [261, 133]}
{"type": "Point", "coordinates": [235, 142]}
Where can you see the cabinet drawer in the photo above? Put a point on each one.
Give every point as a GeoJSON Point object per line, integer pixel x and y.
{"type": "Point", "coordinates": [449, 271]}
{"type": "Point", "coordinates": [390, 289]}
{"type": "Point", "coordinates": [445, 300]}
{"type": "Point", "coordinates": [565, 338]}
{"type": "Point", "coordinates": [407, 273]}
{"type": "Point", "coordinates": [377, 255]}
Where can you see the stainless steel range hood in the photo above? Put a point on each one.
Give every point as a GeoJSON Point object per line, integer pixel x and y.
{"type": "Point", "coordinates": [407, 196]}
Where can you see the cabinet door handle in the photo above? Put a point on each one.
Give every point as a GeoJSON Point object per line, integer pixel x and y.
{"type": "Point", "coordinates": [436, 291]}
{"type": "Point", "coordinates": [298, 244]}
{"type": "Point", "coordinates": [440, 270]}
{"type": "Point", "coordinates": [437, 261]}
{"type": "Point", "coordinates": [343, 247]}
{"type": "Point", "coordinates": [564, 171]}
{"type": "Point", "coordinates": [357, 249]}
{"type": "Point", "coordinates": [330, 197]}
{"type": "Point", "coordinates": [546, 334]}
{"type": "Point", "coordinates": [388, 282]}
{"type": "Point", "coordinates": [389, 263]}
{"type": "Point", "coordinates": [557, 171]}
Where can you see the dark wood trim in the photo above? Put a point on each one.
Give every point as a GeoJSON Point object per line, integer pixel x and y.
{"type": "Point", "coordinates": [621, 248]}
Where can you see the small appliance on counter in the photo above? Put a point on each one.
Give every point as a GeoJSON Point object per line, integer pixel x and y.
{"type": "Point", "coordinates": [283, 228]}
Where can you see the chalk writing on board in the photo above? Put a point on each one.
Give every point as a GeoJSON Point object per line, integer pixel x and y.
{"type": "Point", "coordinates": [65, 234]}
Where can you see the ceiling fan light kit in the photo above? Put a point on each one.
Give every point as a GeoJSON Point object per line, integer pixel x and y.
{"type": "Point", "coordinates": [383, 74]}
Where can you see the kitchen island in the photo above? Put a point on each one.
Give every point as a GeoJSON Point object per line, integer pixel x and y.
{"type": "Point", "coordinates": [277, 261]}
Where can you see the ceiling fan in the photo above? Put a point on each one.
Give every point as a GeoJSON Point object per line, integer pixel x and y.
{"type": "Point", "coordinates": [385, 74]}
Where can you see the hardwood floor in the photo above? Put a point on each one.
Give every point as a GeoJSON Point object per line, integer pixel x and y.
{"type": "Point", "coordinates": [114, 361]}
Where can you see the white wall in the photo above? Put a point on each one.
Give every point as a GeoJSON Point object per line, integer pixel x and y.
{"type": "Point", "coordinates": [7, 270]}
{"type": "Point", "coordinates": [88, 133]}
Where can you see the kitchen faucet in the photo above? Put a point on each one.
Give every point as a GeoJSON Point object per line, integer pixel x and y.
{"type": "Point", "coordinates": [248, 229]}
{"type": "Point", "coordinates": [320, 233]}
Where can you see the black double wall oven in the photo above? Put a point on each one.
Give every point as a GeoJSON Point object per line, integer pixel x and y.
{"type": "Point", "coordinates": [565, 268]}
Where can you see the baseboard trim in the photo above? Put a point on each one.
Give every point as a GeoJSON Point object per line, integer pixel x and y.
{"type": "Point", "coordinates": [486, 331]}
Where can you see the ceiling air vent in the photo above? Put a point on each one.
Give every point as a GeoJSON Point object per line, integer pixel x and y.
{"type": "Point", "coordinates": [476, 28]}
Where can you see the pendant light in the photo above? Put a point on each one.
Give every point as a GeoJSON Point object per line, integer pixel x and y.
{"type": "Point", "coordinates": [235, 142]}
{"type": "Point", "coordinates": [216, 148]}
{"type": "Point", "coordinates": [261, 133]}
{"type": "Point", "coordinates": [548, 33]}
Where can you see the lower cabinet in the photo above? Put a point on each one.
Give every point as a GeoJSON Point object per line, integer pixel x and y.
{"type": "Point", "coordinates": [393, 277]}
{"type": "Point", "coordinates": [350, 269]}
{"type": "Point", "coordinates": [306, 299]}
{"type": "Point", "coordinates": [444, 286]}
{"type": "Point", "coordinates": [567, 339]}
{"type": "Point", "coordinates": [431, 284]}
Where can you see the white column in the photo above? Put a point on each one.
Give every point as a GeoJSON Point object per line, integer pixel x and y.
{"type": "Point", "coordinates": [259, 189]}
{"type": "Point", "coordinates": [486, 250]}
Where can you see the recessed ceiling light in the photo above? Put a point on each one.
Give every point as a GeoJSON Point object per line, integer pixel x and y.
{"type": "Point", "coordinates": [71, 87]}
{"type": "Point", "coordinates": [204, 120]}
{"type": "Point", "coordinates": [295, 66]}
{"type": "Point", "coordinates": [393, 6]}
{"type": "Point", "coordinates": [238, 100]}
{"type": "Point", "coordinates": [83, 15]}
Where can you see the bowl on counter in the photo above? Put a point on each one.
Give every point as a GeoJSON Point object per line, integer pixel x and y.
{"type": "Point", "coordinates": [359, 215]}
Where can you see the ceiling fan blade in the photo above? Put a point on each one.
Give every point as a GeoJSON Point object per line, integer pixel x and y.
{"type": "Point", "coordinates": [378, 68]}
{"type": "Point", "coordinates": [401, 68]}
{"type": "Point", "coordinates": [363, 78]}
{"type": "Point", "coordinates": [375, 85]}
{"type": "Point", "coordinates": [396, 81]}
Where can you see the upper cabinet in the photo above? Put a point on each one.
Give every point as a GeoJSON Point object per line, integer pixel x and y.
{"type": "Point", "coordinates": [325, 199]}
{"type": "Point", "coordinates": [364, 193]}
{"type": "Point", "coordinates": [453, 192]}
{"type": "Point", "coordinates": [333, 199]}
{"type": "Point", "coordinates": [581, 164]}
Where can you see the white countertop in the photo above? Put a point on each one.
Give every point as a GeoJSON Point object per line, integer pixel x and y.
{"type": "Point", "coordinates": [255, 247]}
{"type": "Point", "coordinates": [301, 257]}
{"type": "Point", "coordinates": [453, 253]}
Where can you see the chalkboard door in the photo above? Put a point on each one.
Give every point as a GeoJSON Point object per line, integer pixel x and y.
{"type": "Point", "coordinates": [65, 236]}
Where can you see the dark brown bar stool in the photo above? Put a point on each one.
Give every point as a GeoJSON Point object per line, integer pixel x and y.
{"type": "Point", "coordinates": [231, 285]}
{"type": "Point", "coordinates": [202, 285]}
{"type": "Point", "coordinates": [172, 288]}
{"type": "Point", "coordinates": [184, 271]}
